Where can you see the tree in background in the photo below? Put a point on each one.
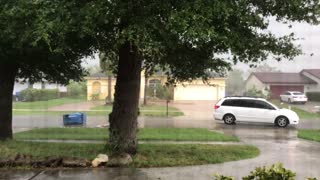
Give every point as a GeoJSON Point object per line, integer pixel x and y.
{"type": "Point", "coordinates": [235, 83]}
{"type": "Point", "coordinates": [93, 69]}
{"type": "Point", "coordinates": [185, 37]}
{"type": "Point", "coordinates": [265, 68]}
{"type": "Point", "coordinates": [106, 67]}
{"type": "Point", "coordinates": [77, 89]}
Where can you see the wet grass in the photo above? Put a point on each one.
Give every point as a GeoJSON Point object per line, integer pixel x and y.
{"type": "Point", "coordinates": [149, 155]}
{"type": "Point", "coordinates": [44, 105]}
{"type": "Point", "coordinates": [309, 134]}
{"type": "Point", "coordinates": [301, 113]}
{"type": "Point", "coordinates": [91, 113]}
{"type": "Point", "coordinates": [41, 108]}
{"type": "Point", "coordinates": [149, 110]}
{"type": "Point", "coordinates": [173, 134]}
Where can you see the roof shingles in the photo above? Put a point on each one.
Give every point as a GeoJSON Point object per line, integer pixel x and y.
{"type": "Point", "coordinates": [282, 78]}
{"type": "Point", "coordinates": [314, 72]}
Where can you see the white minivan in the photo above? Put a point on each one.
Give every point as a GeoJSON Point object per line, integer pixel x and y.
{"type": "Point", "coordinates": [249, 109]}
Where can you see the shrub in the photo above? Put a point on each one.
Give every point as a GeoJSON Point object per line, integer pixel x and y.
{"type": "Point", "coordinates": [76, 89]}
{"type": "Point", "coordinates": [162, 92]}
{"type": "Point", "coordinates": [222, 177]}
{"type": "Point", "coordinates": [313, 96]}
{"type": "Point", "coordinates": [276, 172]}
{"type": "Point", "coordinates": [31, 94]}
{"type": "Point", "coordinates": [95, 96]}
{"type": "Point", "coordinates": [257, 93]}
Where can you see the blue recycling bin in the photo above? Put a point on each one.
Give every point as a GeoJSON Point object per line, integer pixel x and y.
{"type": "Point", "coordinates": [75, 119]}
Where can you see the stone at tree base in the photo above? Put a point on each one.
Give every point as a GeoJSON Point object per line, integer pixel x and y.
{"type": "Point", "coordinates": [100, 160]}
{"type": "Point", "coordinates": [117, 160]}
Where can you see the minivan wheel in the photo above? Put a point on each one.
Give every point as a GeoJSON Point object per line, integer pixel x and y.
{"type": "Point", "coordinates": [282, 121]}
{"type": "Point", "coordinates": [229, 119]}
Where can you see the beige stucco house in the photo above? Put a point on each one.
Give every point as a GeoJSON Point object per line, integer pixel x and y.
{"type": "Point", "coordinates": [214, 89]}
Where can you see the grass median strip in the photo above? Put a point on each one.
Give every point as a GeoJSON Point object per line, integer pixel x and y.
{"type": "Point", "coordinates": [149, 155]}
{"type": "Point", "coordinates": [309, 134]}
{"type": "Point", "coordinates": [172, 134]}
{"type": "Point", "coordinates": [301, 113]}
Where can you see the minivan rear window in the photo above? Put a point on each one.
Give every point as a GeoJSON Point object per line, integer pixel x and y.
{"type": "Point", "coordinates": [227, 102]}
{"type": "Point", "coordinates": [233, 102]}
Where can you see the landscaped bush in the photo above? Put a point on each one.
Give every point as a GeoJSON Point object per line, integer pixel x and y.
{"type": "Point", "coordinates": [162, 92]}
{"type": "Point", "coordinates": [313, 96]}
{"type": "Point", "coordinates": [31, 94]}
{"type": "Point", "coordinates": [274, 172]}
{"type": "Point", "coordinates": [77, 89]}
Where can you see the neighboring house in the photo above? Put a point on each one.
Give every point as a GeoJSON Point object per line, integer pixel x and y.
{"type": "Point", "coordinates": [97, 84]}
{"type": "Point", "coordinates": [277, 82]}
{"type": "Point", "coordinates": [20, 86]}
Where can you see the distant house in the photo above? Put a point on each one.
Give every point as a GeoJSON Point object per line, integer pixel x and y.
{"type": "Point", "coordinates": [195, 90]}
{"type": "Point", "coordinates": [308, 80]}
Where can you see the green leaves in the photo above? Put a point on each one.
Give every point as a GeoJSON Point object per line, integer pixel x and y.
{"type": "Point", "coordinates": [275, 172]}
{"type": "Point", "coordinates": [186, 38]}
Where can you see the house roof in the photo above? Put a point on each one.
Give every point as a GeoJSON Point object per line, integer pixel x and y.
{"type": "Point", "coordinates": [282, 78]}
{"type": "Point", "coordinates": [314, 72]}
{"type": "Point", "coordinates": [97, 76]}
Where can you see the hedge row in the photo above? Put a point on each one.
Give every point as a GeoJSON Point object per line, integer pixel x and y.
{"type": "Point", "coordinates": [313, 96]}
{"type": "Point", "coordinates": [31, 94]}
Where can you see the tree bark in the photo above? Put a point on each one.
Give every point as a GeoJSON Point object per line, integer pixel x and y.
{"type": "Point", "coordinates": [123, 119]}
{"type": "Point", "coordinates": [8, 74]}
{"type": "Point", "coordinates": [145, 89]}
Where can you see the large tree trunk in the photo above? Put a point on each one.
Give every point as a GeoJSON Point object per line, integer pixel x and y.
{"type": "Point", "coordinates": [7, 78]}
{"type": "Point", "coordinates": [123, 119]}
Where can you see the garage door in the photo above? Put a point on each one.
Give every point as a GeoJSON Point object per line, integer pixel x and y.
{"type": "Point", "coordinates": [195, 92]}
{"type": "Point", "coordinates": [277, 90]}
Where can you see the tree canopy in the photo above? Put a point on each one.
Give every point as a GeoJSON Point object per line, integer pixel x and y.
{"type": "Point", "coordinates": [189, 37]}
{"type": "Point", "coordinates": [186, 37]}
{"type": "Point", "coordinates": [35, 45]}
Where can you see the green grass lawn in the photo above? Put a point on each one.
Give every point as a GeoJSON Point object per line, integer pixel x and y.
{"type": "Point", "coordinates": [149, 110]}
{"type": "Point", "coordinates": [301, 113]}
{"type": "Point", "coordinates": [309, 134]}
{"type": "Point", "coordinates": [44, 105]}
{"type": "Point", "coordinates": [41, 108]}
{"type": "Point", "coordinates": [149, 155]}
{"type": "Point", "coordinates": [175, 134]}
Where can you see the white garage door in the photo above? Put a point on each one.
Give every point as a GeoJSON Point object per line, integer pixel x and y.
{"type": "Point", "coordinates": [195, 92]}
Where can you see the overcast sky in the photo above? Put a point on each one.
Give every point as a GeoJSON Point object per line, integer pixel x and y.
{"type": "Point", "coordinates": [310, 44]}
